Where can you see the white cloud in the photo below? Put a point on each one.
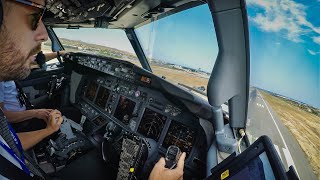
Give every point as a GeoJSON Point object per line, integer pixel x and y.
{"type": "Point", "coordinates": [285, 17]}
{"type": "Point", "coordinates": [316, 39]}
{"type": "Point", "coordinates": [312, 52]}
{"type": "Point", "coordinates": [278, 43]}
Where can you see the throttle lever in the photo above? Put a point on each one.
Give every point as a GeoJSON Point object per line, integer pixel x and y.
{"type": "Point", "coordinates": [172, 156]}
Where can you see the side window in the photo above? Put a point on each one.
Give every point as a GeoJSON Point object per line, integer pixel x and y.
{"type": "Point", "coordinates": [47, 48]}
{"type": "Point", "coordinates": [284, 98]}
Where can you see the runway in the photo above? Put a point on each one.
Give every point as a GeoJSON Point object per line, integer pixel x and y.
{"type": "Point", "coordinates": [262, 120]}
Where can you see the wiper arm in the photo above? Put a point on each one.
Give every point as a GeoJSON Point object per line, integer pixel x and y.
{"type": "Point", "coordinates": [197, 90]}
{"type": "Point", "coordinates": [193, 89]}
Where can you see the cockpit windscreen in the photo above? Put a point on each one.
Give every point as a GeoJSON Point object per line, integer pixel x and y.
{"type": "Point", "coordinates": [124, 110]}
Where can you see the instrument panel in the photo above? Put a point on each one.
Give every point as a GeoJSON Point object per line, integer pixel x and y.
{"type": "Point", "coordinates": [135, 106]}
{"type": "Point", "coordinates": [152, 124]}
{"type": "Point", "coordinates": [102, 97]}
{"type": "Point", "coordinates": [181, 136]}
{"type": "Point", "coordinates": [141, 110]}
{"type": "Point", "coordinates": [91, 91]}
{"type": "Point", "coordinates": [124, 110]}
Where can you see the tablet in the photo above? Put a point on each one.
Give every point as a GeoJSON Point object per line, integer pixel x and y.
{"type": "Point", "coordinates": [259, 161]}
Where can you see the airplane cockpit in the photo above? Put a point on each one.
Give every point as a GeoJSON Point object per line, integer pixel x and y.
{"type": "Point", "coordinates": [120, 117]}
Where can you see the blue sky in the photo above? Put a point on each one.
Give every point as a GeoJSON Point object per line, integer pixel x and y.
{"type": "Point", "coordinates": [187, 38]}
{"type": "Point", "coordinates": [284, 43]}
{"type": "Point", "coordinates": [285, 48]}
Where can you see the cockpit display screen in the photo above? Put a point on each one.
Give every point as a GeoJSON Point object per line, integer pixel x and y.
{"type": "Point", "coordinates": [181, 136]}
{"type": "Point", "coordinates": [91, 90]}
{"type": "Point", "coordinates": [102, 97]}
{"type": "Point", "coordinates": [145, 79]}
{"type": "Point", "coordinates": [124, 110]}
{"type": "Point", "coordinates": [152, 124]}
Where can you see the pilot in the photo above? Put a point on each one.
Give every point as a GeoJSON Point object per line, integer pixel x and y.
{"type": "Point", "coordinates": [21, 35]}
{"type": "Point", "coordinates": [14, 106]}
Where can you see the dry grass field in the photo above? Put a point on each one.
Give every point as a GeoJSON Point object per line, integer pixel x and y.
{"type": "Point", "coordinates": [174, 75]}
{"type": "Point", "coordinates": [304, 126]}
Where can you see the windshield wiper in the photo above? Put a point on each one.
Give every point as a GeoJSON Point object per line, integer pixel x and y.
{"type": "Point", "coordinates": [193, 89]}
{"type": "Point", "coordinates": [197, 91]}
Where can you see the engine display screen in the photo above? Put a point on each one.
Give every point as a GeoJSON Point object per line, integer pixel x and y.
{"type": "Point", "coordinates": [99, 121]}
{"type": "Point", "coordinates": [91, 90]}
{"type": "Point", "coordinates": [152, 124]}
{"type": "Point", "coordinates": [181, 136]}
{"type": "Point", "coordinates": [124, 110]}
{"type": "Point", "coordinates": [102, 97]}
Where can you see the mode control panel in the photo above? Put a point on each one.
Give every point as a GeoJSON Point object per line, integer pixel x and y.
{"type": "Point", "coordinates": [114, 67]}
{"type": "Point", "coordinates": [88, 111]}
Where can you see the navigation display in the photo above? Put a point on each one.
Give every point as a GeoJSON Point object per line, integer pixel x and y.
{"type": "Point", "coordinates": [91, 90]}
{"type": "Point", "coordinates": [151, 124]}
{"type": "Point", "coordinates": [181, 136]}
{"type": "Point", "coordinates": [124, 110]}
{"type": "Point", "coordinates": [102, 97]}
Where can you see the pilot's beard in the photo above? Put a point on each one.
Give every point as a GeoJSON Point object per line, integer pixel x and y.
{"type": "Point", "coordinates": [13, 64]}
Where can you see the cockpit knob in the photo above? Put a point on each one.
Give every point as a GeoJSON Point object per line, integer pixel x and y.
{"type": "Point", "coordinates": [172, 156]}
{"type": "Point", "coordinates": [117, 69]}
{"type": "Point", "coordinates": [112, 131]}
{"type": "Point", "coordinates": [137, 93]}
{"type": "Point", "coordinates": [125, 70]}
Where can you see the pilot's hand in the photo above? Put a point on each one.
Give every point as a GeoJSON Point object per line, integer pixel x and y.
{"type": "Point", "coordinates": [34, 66]}
{"type": "Point", "coordinates": [159, 172]}
{"type": "Point", "coordinates": [54, 121]}
{"type": "Point", "coordinates": [42, 114]}
{"type": "Point", "coordinates": [62, 53]}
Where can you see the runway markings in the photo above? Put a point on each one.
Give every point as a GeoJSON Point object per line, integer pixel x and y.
{"type": "Point", "coordinates": [260, 105]}
{"type": "Point", "coordinates": [281, 136]}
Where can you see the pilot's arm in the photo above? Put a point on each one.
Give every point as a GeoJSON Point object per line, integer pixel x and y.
{"type": "Point", "coordinates": [159, 172]}
{"type": "Point", "coordinates": [52, 55]}
{"type": "Point", "coordinates": [29, 139]}
{"type": "Point", "coordinates": [20, 116]}
{"type": "Point", "coordinates": [43, 58]}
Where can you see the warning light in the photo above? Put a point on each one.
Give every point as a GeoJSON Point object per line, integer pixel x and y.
{"type": "Point", "coordinates": [225, 174]}
{"type": "Point", "coordinates": [131, 170]}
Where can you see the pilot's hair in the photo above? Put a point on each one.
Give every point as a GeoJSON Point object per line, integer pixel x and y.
{"type": "Point", "coordinates": [3, 4]}
{"type": "Point", "coordinates": [1, 13]}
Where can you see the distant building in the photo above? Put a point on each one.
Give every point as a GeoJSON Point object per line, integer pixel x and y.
{"type": "Point", "coordinates": [177, 66]}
